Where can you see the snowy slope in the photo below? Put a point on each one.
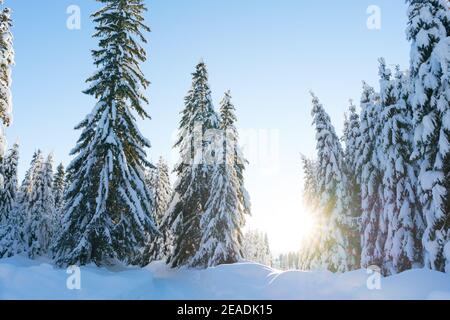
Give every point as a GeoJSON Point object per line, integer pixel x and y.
{"type": "Point", "coordinates": [24, 279]}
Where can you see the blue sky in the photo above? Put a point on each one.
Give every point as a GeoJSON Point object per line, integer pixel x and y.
{"type": "Point", "coordinates": [269, 53]}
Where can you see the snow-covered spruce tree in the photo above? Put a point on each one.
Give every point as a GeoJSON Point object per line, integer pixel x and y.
{"type": "Point", "coordinates": [19, 235]}
{"type": "Point", "coordinates": [27, 185]}
{"type": "Point", "coordinates": [402, 248]}
{"type": "Point", "coordinates": [429, 33]}
{"type": "Point", "coordinates": [310, 252]}
{"type": "Point", "coordinates": [266, 252]}
{"type": "Point", "coordinates": [108, 211]}
{"type": "Point", "coordinates": [351, 136]}
{"type": "Point", "coordinates": [158, 181]}
{"type": "Point", "coordinates": [11, 233]}
{"type": "Point", "coordinates": [446, 207]}
{"type": "Point", "coordinates": [256, 247]}
{"type": "Point", "coordinates": [352, 133]}
{"type": "Point", "coordinates": [248, 248]}
{"type": "Point", "coordinates": [8, 194]}
{"type": "Point", "coordinates": [386, 154]}
{"type": "Point", "coordinates": [151, 177]}
{"type": "Point", "coordinates": [38, 226]}
{"type": "Point", "coordinates": [310, 183]}
{"type": "Point", "coordinates": [194, 170]}
{"type": "Point", "coordinates": [369, 177]}
{"type": "Point", "coordinates": [163, 190]}
{"type": "Point", "coordinates": [6, 62]}
{"type": "Point", "coordinates": [407, 251]}
{"type": "Point", "coordinates": [41, 219]}
{"type": "Point", "coordinates": [228, 119]}
{"type": "Point", "coordinates": [337, 253]}
{"type": "Point", "coordinates": [224, 216]}
{"type": "Point", "coordinates": [59, 187]}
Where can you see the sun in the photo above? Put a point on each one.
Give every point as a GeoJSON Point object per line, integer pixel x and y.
{"type": "Point", "coordinates": [307, 225]}
{"type": "Point", "coordinates": [289, 229]}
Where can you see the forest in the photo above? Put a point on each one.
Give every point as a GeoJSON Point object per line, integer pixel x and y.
{"type": "Point", "coordinates": [379, 193]}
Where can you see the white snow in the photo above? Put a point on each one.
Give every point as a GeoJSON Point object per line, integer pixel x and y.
{"type": "Point", "coordinates": [21, 278]}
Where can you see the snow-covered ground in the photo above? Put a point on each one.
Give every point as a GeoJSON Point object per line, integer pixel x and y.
{"type": "Point", "coordinates": [24, 279]}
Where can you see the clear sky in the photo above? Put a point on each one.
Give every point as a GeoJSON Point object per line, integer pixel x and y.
{"type": "Point", "coordinates": [269, 53]}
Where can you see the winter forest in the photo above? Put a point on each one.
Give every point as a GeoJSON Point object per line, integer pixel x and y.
{"type": "Point", "coordinates": [379, 193]}
{"type": "Point", "coordinates": [111, 205]}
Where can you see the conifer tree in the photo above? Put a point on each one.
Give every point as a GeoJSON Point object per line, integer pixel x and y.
{"type": "Point", "coordinates": [39, 223]}
{"type": "Point", "coordinates": [24, 197]}
{"type": "Point", "coordinates": [11, 232]}
{"type": "Point", "coordinates": [256, 247]}
{"type": "Point", "coordinates": [42, 218]}
{"type": "Point", "coordinates": [404, 251]}
{"type": "Point", "coordinates": [194, 171]}
{"type": "Point", "coordinates": [336, 250]}
{"type": "Point", "coordinates": [429, 33]}
{"type": "Point", "coordinates": [369, 177]}
{"type": "Point", "coordinates": [446, 207]}
{"type": "Point", "coordinates": [249, 247]}
{"type": "Point", "coordinates": [158, 181]}
{"type": "Point", "coordinates": [6, 63]}
{"type": "Point", "coordinates": [8, 193]}
{"type": "Point", "coordinates": [387, 162]}
{"type": "Point", "coordinates": [108, 211]}
{"type": "Point", "coordinates": [224, 217]}
{"type": "Point", "coordinates": [59, 187]}
{"type": "Point", "coordinates": [228, 119]}
{"type": "Point", "coordinates": [163, 190]}
{"type": "Point", "coordinates": [310, 250]}
{"type": "Point", "coordinates": [352, 133]}
{"type": "Point", "coordinates": [310, 183]}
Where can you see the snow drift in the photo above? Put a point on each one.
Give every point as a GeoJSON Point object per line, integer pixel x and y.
{"type": "Point", "coordinates": [21, 278]}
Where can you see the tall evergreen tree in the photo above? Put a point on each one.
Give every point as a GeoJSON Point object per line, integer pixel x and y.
{"type": "Point", "coordinates": [8, 193]}
{"type": "Point", "coordinates": [310, 249]}
{"type": "Point", "coordinates": [351, 137]}
{"type": "Point", "coordinates": [6, 62]}
{"type": "Point", "coordinates": [23, 233]}
{"type": "Point", "coordinates": [336, 249]}
{"type": "Point", "coordinates": [194, 171]}
{"type": "Point", "coordinates": [24, 197]}
{"type": "Point", "coordinates": [256, 247]}
{"type": "Point", "coordinates": [11, 222]}
{"type": "Point", "coordinates": [59, 187]}
{"type": "Point", "coordinates": [352, 133]}
{"type": "Point", "coordinates": [446, 206]}
{"type": "Point", "coordinates": [387, 162]}
{"type": "Point", "coordinates": [163, 190]}
{"type": "Point", "coordinates": [108, 210]}
{"type": "Point", "coordinates": [369, 177]}
{"type": "Point", "coordinates": [228, 119]}
{"type": "Point", "coordinates": [402, 248]}
{"type": "Point", "coordinates": [224, 217]}
{"type": "Point", "coordinates": [429, 33]}
{"type": "Point", "coordinates": [310, 187]}
{"type": "Point", "coordinates": [158, 181]}
{"type": "Point", "coordinates": [39, 221]}
{"type": "Point", "coordinates": [151, 178]}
